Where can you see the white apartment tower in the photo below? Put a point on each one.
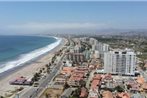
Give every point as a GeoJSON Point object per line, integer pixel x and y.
{"type": "Point", "coordinates": [120, 62]}
{"type": "Point", "coordinates": [102, 47]}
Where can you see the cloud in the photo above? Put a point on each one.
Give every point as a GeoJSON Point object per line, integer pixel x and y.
{"type": "Point", "coordinates": [48, 26]}
{"type": "Point", "coordinates": [56, 27]}
{"type": "Point", "coordinates": [71, 0]}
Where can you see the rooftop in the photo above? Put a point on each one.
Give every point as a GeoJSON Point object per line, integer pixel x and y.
{"type": "Point", "coordinates": [84, 92]}
{"type": "Point", "coordinates": [140, 80]}
{"type": "Point", "coordinates": [123, 95]}
{"type": "Point", "coordinates": [95, 84]}
{"type": "Point", "coordinates": [107, 94]}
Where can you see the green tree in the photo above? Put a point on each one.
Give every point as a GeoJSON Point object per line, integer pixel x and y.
{"type": "Point", "coordinates": [77, 92]}
{"type": "Point", "coordinates": [36, 77]}
{"type": "Point", "coordinates": [1, 97]}
{"type": "Point", "coordinates": [119, 89]}
{"type": "Point", "coordinates": [82, 83]}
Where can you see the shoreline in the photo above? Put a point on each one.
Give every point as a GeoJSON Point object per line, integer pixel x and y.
{"type": "Point", "coordinates": [27, 69]}
{"type": "Point", "coordinates": [3, 74]}
{"type": "Point", "coordinates": [26, 58]}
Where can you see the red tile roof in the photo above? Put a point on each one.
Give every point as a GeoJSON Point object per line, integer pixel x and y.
{"type": "Point", "coordinates": [123, 95]}
{"type": "Point", "coordinates": [95, 84]}
{"type": "Point", "coordinates": [97, 77]}
{"type": "Point", "coordinates": [140, 80]}
{"type": "Point", "coordinates": [144, 86]}
{"type": "Point", "coordinates": [75, 78]}
{"type": "Point", "coordinates": [84, 92]}
{"type": "Point", "coordinates": [67, 70]}
{"type": "Point", "coordinates": [107, 94]}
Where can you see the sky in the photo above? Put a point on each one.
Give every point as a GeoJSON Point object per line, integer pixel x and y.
{"type": "Point", "coordinates": [46, 17]}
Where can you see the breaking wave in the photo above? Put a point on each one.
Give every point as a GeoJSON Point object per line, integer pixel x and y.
{"type": "Point", "coordinates": [24, 58]}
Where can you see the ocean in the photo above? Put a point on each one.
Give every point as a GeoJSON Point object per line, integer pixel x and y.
{"type": "Point", "coordinates": [17, 50]}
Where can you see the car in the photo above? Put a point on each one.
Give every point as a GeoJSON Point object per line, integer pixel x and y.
{"type": "Point", "coordinates": [35, 84]}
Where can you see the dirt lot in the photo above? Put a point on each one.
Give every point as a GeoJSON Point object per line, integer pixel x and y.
{"type": "Point", "coordinates": [52, 93]}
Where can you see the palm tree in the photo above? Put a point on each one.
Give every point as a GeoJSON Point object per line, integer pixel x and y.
{"type": "Point", "coordinates": [57, 95]}
{"type": "Point", "coordinates": [47, 95]}
{"type": "Point", "coordinates": [40, 71]}
{"type": "Point", "coordinates": [1, 97]}
{"type": "Point", "coordinates": [36, 77]}
{"type": "Point", "coordinates": [47, 65]}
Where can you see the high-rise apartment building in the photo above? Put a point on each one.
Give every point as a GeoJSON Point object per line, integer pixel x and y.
{"type": "Point", "coordinates": [101, 47]}
{"type": "Point", "coordinates": [75, 57]}
{"type": "Point", "coordinates": [120, 62]}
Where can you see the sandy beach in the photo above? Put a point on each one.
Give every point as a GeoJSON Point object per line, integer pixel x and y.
{"type": "Point", "coordinates": [27, 70]}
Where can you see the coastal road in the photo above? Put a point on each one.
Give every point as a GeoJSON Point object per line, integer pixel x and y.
{"type": "Point", "coordinates": [33, 92]}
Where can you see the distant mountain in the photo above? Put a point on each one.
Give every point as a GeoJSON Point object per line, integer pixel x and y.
{"type": "Point", "coordinates": [122, 32]}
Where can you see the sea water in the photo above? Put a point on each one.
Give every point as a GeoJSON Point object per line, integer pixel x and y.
{"type": "Point", "coordinates": [18, 50]}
